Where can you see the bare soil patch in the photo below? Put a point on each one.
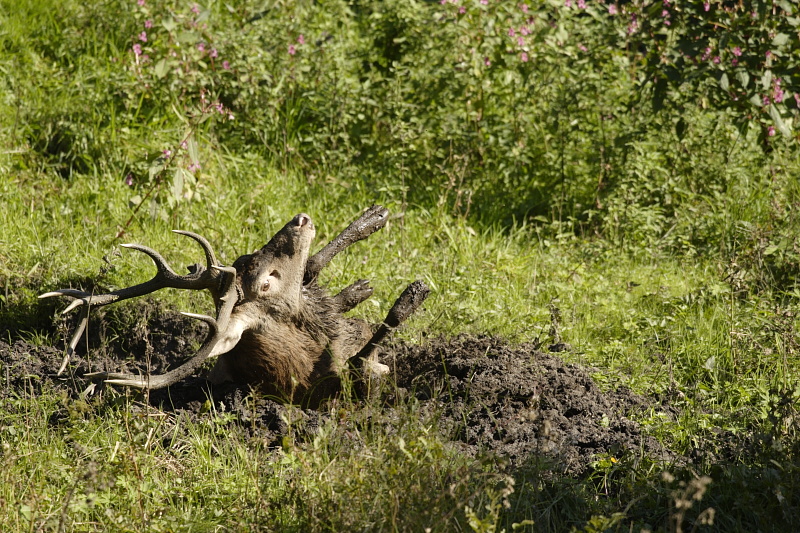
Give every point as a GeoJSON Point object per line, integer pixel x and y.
{"type": "Point", "coordinates": [486, 395]}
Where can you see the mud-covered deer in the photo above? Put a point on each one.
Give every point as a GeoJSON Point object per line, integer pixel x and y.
{"type": "Point", "coordinates": [275, 328]}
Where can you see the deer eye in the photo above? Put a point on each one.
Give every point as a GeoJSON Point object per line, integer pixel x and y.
{"type": "Point", "coordinates": [265, 286]}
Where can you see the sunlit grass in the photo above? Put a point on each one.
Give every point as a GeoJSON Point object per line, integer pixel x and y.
{"type": "Point", "coordinates": [669, 289]}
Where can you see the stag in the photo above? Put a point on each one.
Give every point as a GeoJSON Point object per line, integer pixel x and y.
{"type": "Point", "coordinates": [275, 328]}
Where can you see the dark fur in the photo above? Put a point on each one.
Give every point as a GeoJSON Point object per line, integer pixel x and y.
{"type": "Point", "coordinates": [298, 346]}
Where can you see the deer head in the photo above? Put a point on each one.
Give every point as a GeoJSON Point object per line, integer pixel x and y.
{"type": "Point", "coordinates": [270, 297]}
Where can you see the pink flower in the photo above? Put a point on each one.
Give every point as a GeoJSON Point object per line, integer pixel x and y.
{"type": "Point", "coordinates": [226, 65]}
{"type": "Point", "coordinates": [140, 3]}
{"type": "Point", "coordinates": [734, 61]}
{"type": "Point", "coordinates": [201, 47]}
{"type": "Point", "coordinates": [567, 3]}
{"type": "Point", "coordinates": [521, 41]}
{"type": "Point", "coordinates": [716, 60]}
{"type": "Point", "coordinates": [706, 6]}
{"type": "Point", "coordinates": [195, 9]}
{"type": "Point", "coordinates": [771, 131]}
{"type": "Point", "coordinates": [524, 7]}
{"type": "Point", "coordinates": [143, 37]}
{"type": "Point", "coordinates": [768, 54]}
{"type": "Point", "coordinates": [292, 50]}
{"type": "Point", "coordinates": [484, 2]}
{"type": "Point", "coordinates": [583, 48]}
{"type": "Point", "coordinates": [148, 24]}
{"type": "Point", "coordinates": [737, 51]}
{"type": "Point", "coordinates": [777, 92]}
{"type": "Point", "coordinates": [765, 100]}
{"type": "Point", "coordinates": [524, 30]}
{"type": "Point", "coordinates": [167, 153]}
{"type": "Point", "coordinates": [581, 4]}
{"type": "Point", "coordinates": [213, 53]}
{"type": "Point", "coordinates": [194, 167]}
{"type": "Point", "coordinates": [301, 39]}
{"type": "Point", "coordinates": [524, 57]}
{"type": "Point", "coordinates": [462, 10]}
{"type": "Point", "coordinates": [511, 32]}
{"type": "Point", "coordinates": [665, 13]}
{"type": "Point", "coordinates": [612, 9]}
{"type": "Point", "coordinates": [487, 62]}
{"type": "Point", "coordinates": [129, 180]}
{"type": "Point", "coordinates": [137, 49]}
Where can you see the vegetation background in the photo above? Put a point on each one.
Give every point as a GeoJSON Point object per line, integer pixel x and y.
{"type": "Point", "coordinates": [632, 164]}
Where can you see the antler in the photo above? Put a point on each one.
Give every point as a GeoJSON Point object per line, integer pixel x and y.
{"type": "Point", "coordinates": [222, 331]}
{"type": "Point", "coordinates": [210, 277]}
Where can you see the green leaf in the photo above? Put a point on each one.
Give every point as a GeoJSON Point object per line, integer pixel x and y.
{"type": "Point", "coordinates": [766, 80]}
{"type": "Point", "coordinates": [161, 68]}
{"type": "Point", "coordinates": [743, 77]}
{"type": "Point", "coordinates": [194, 152]}
{"type": "Point", "coordinates": [775, 115]}
{"type": "Point", "coordinates": [177, 183]}
{"type": "Point", "coordinates": [169, 24]}
{"type": "Point", "coordinates": [723, 82]}
{"type": "Point", "coordinates": [786, 6]}
{"type": "Point", "coordinates": [780, 40]}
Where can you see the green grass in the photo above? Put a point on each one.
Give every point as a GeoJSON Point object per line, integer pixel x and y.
{"type": "Point", "coordinates": [660, 326]}
{"type": "Point", "coordinates": [667, 262]}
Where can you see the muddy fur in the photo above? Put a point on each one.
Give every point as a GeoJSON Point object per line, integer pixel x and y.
{"type": "Point", "coordinates": [292, 353]}
{"type": "Point", "coordinates": [297, 341]}
{"type": "Point", "coordinates": [276, 330]}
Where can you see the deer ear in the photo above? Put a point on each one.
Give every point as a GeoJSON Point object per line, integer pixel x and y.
{"type": "Point", "coordinates": [231, 336]}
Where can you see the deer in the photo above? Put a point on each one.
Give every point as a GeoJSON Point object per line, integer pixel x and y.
{"type": "Point", "coordinates": [275, 329]}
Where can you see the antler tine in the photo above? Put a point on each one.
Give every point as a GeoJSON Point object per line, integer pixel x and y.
{"type": "Point", "coordinates": [161, 263]}
{"type": "Point", "coordinates": [219, 327]}
{"type": "Point", "coordinates": [211, 259]}
{"type": "Point", "coordinates": [76, 337]}
{"type": "Point", "coordinates": [165, 277]}
{"type": "Point", "coordinates": [162, 279]}
{"type": "Point", "coordinates": [210, 320]}
{"type": "Point", "coordinates": [82, 297]}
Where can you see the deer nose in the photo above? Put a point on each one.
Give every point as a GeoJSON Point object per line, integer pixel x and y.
{"type": "Point", "coordinates": [302, 220]}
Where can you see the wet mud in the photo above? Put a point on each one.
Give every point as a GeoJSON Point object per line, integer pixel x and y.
{"type": "Point", "coordinates": [486, 395]}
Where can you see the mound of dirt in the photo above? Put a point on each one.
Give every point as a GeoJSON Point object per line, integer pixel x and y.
{"type": "Point", "coordinates": [514, 401]}
{"type": "Point", "coordinates": [518, 402]}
